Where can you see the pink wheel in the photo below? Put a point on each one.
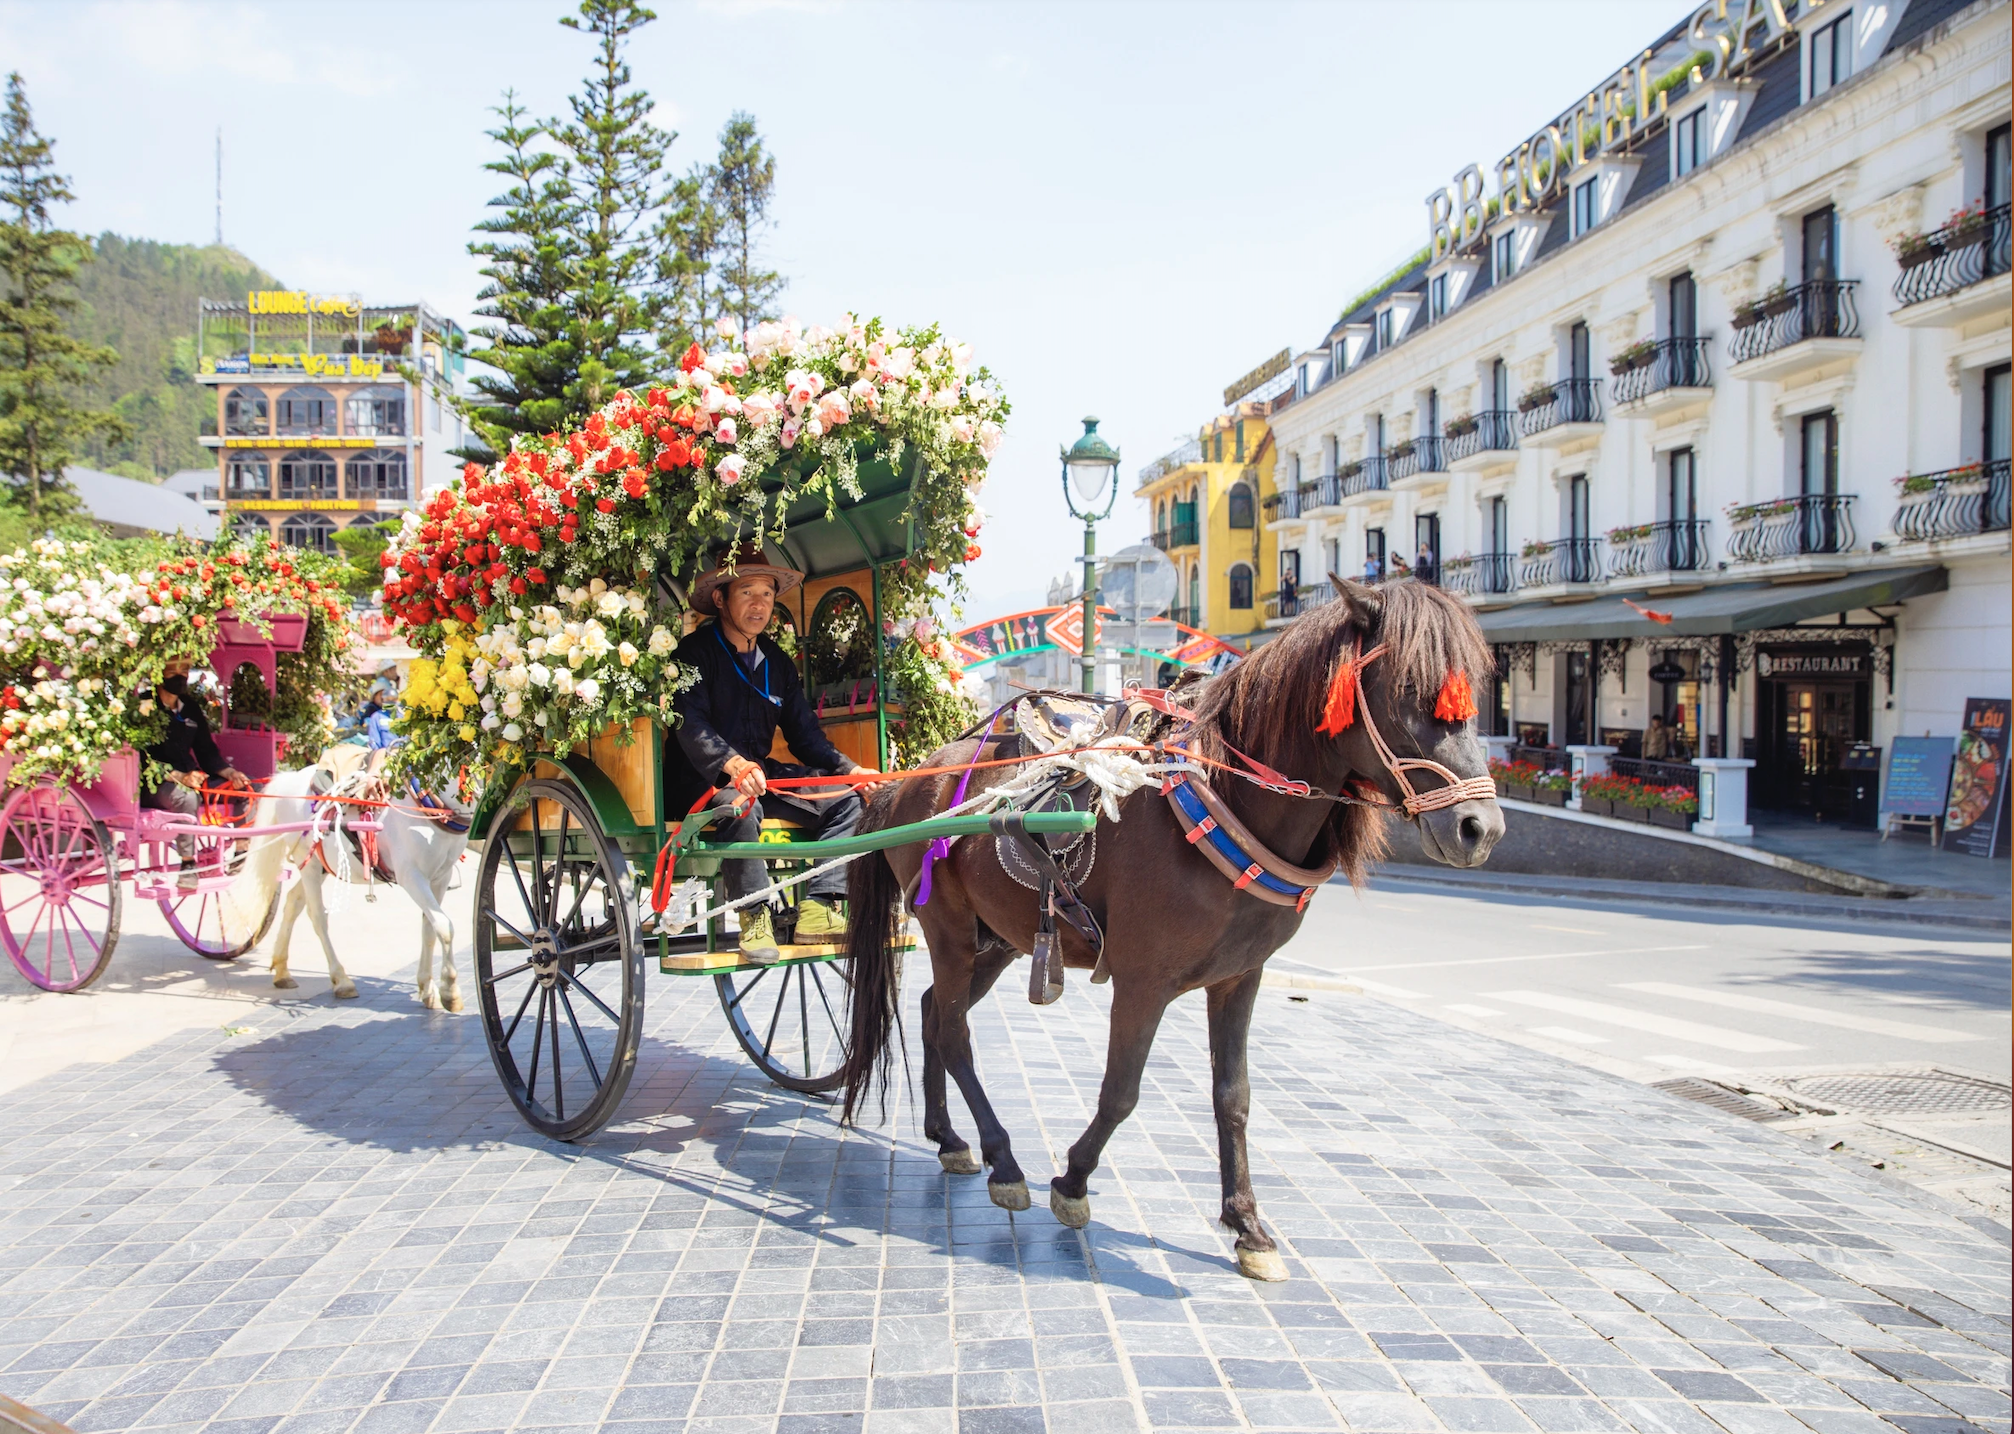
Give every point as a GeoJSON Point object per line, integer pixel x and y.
{"type": "Point", "coordinates": [59, 888]}
{"type": "Point", "coordinates": [217, 920]}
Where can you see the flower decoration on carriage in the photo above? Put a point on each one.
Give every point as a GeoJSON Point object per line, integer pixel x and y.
{"type": "Point", "coordinates": [530, 585]}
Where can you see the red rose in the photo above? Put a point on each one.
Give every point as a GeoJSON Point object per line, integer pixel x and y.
{"type": "Point", "coordinates": [633, 482]}
{"type": "Point", "coordinates": [532, 542]}
{"type": "Point", "coordinates": [518, 586]}
{"type": "Point", "coordinates": [606, 505]}
{"type": "Point", "coordinates": [692, 358]}
{"type": "Point", "coordinates": [536, 575]}
{"type": "Point", "coordinates": [971, 551]}
{"type": "Point", "coordinates": [566, 535]}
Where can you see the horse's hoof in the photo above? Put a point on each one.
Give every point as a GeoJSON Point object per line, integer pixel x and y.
{"type": "Point", "coordinates": [1009, 1197]}
{"type": "Point", "coordinates": [345, 992]}
{"type": "Point", "coordinates": [285, 983]}
{"type": "Point", "coordinates": [430, 1001]}
{"type": "Point", "coordinates": [1262, 1265]}
{"type": "Point", "coordinates": [959, 1162]}
{"type": "Point", "coordinates": [1076, 1213]}
{"type": "Point", "coordinates": [454, 1006]}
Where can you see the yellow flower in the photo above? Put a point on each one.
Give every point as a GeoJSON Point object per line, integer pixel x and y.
{"type": "Point", "coordinates": [456, 712]}
{"type": "Point", "coordinates": [468, 733]}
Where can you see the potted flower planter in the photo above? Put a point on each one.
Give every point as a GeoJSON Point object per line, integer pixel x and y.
{"type": "Point", "coordinates": [1781, 304]}
{"type": "Point", "coordinates": [1664, 817]}
{"type": "Point", "coordinates": [1598, 805]}
{"type": "Point", "coordinates": [1549, 796]}
{"type": "Point", "coordinates": [1517, 793]}
{"type": "Point", "coordinates": [1920, 255]}
{"type": "Point", "coordinates": [1625, 812]}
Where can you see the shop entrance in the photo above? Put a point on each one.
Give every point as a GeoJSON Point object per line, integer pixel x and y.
{"type": "Point", "coordinates": [1813, 707]}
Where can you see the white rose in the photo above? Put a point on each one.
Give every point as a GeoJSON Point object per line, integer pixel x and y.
{"type": "Point", "coordinates": [611, 604]}
{"type": "Point", "coordinates": [661, 641]}
{"type": "Point", "coordinates": [562, 682]}
{"type": "Point", "coordinates": [513, 705]}
{"type": "Point", "coordinates": [628, 653]}
{"type": "Point", "coordinates": [589, 691]}
{"type": "Point", "coordinates": [512, 732]}
{"type": "Point", "coordinates": [539, 674]}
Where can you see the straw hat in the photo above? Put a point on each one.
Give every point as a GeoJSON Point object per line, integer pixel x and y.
{"type": "Point", "coordinates": [746, 561]}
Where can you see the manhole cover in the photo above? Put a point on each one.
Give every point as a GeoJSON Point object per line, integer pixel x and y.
{"type": "Point", "coordinates": [1904, 1093]}
{"type": "Point", "coordinates": [1721, 1097]}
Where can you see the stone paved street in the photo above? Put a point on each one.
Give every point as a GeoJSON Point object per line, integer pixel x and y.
{"type": "Point", "coordinates": [333, 1222]}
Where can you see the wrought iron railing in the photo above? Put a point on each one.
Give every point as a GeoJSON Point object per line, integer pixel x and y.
{"type": "Point", "coordinates": [1306, 598]}
{"type": "Point", "coordinates": [1325, 492]}
{"type": "Point", "coordinates": [1655, 773]}
{"type": "Point", "coordinates": [1790, 527]}
{"type": "Point", "coordinates": [1546, 759]}
{"type": "Point", "coordinates": [1954, 503]}
{"type": "Point", "coordinates": [1176, 535]}
{"type": "Point", "coordinates": [1574, 400]}
{"type": "Point", "coordinates": [1189, 452]}
{"type": "Point", "coordinates": [1481, 575]}
{"type": "Point", "coordinates": [1563, 560]}
{"type": "Point", "coordinates": [1821, 309]}
{"type": "Point", "coordinates": [1420, 455]}
{"type": "Point", "coordinates": [1492, 431]}
{"type": "Point", "coordinates": [1667, 547]}
{"type": "Point", "coordinates": [1366, 475]}
{"type": "Point", "coordinates": [1963, 253]}
{"type": "Point", "coordinates": [1678, 363]}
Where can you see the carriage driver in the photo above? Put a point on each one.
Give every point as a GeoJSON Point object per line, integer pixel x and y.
{"type": "Point", "coordinates": [748, 687]}
{"type": "Point", "coordinates": [190, 754]}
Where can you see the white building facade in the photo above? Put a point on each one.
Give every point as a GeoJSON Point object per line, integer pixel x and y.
{"type": "Point", "coordinates": [1700, 381]}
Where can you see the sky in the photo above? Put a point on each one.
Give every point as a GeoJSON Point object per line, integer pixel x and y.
{"type": "Point", "coordinates": [1122, 206]}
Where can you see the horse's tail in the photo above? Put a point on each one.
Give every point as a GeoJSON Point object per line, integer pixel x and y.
{"type": "Point", "coordinates": [244, 903]}
{"type": "Point", "coordinates": [873, 897]}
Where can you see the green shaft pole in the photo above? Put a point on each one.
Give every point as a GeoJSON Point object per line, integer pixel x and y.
{"type": "Point", "coordinates": [892, 836]}
{"type": "Point", "coordinates": [1090, 660]}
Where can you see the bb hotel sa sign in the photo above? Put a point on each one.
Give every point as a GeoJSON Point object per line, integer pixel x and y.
{"type": "Point", "coordinates": [1719, 41]}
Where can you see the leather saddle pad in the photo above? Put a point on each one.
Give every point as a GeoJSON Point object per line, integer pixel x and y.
{"type": "Point", "coordinates": [1051, 721]}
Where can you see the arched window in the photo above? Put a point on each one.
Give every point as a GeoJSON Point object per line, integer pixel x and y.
{"type": "Point", "coordinates": [1195, 597]}
{"type": "Point", "coordinates": [307, 410]}
{"type": "Point", "coordinates": [377, 474]}
{"type": "Point", "coordinates": [248, 478]}
{"type": "Point", "coordinates": [1241, 587]}
{"type": "Point", "coordinates": [308, 475]}
{"type": "Point", "coordinates": [840, 649]}
{"type": "Point", "coordinates": [1241, 506]}
{"type": "Point", "coordinates": [245, 413]}
{"type": "Point", "coordinates": [250, 525]}
{"type": "Point", "coordinates": [376, 413]}
{"type": "Point", "coordinates": [310, 530]}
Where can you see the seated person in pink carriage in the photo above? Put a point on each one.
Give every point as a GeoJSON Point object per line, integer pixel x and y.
{"type": "Point", "coordinates": [190, 754]}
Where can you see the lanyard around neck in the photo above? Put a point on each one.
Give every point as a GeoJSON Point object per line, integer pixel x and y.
{"type": "Point", "coordinates": [734, 661]}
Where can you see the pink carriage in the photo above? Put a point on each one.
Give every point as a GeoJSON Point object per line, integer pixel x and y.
{"type": "Point", "coordinates": [67, 850]}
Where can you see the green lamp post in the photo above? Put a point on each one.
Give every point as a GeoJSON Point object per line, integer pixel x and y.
{"type": "Point", "coordinates": [1090, 477]}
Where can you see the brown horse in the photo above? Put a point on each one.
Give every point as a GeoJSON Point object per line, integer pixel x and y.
{"type": "Point", "coordinates": [1173, 923]}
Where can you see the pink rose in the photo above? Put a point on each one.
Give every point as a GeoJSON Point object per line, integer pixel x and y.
{"type": "Point", "coordinates": [990, 434]}
{"type": "Point", "coordinates": [758, 408]}
{"type": "Point", "coordinates": [961, 427]}
{"type": "Point", "coordinates": [714, 400]}
{"type": "Point", "coordinates": [833, 409]}
{"type": "Point", "coordinates": [864, 393]}
{"type": "Point", "coordinates": [730, 468]}
{"type": "Point", "coordinates": [788, 438]}
{"type": "Point", "coordinates": [725, 431]}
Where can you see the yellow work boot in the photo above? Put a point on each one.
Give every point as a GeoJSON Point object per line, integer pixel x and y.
{"type": "Point", "coordinates": [819, 923]}
{"type": "Point", "coordinates": [758, 936]}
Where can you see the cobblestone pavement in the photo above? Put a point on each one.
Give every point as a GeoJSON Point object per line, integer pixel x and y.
{"type": "Point", "coordinates": [333, 1222]}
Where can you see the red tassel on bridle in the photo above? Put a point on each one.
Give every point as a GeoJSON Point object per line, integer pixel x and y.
{"type": "Point", "coordinates": [1456, 703]}
{"type": "Point", "coordinates": [1341, 708]}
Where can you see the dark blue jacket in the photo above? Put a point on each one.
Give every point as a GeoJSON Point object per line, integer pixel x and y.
{"type": "Point", "coordinates": [726, 714]}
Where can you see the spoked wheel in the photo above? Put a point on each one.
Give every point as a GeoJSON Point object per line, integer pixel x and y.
{"type": "Point", "coordinates": [558, 965]}
{"type": "Point", "coordinates": [790, 1018]}
{"type": "Point", "coordinates": [220, 921]}
{"type": "Point", "coordinates": [59, 889]}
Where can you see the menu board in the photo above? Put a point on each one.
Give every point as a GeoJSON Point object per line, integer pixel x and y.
{"type": "Point", "coordinates": [1919, 774]}
{"type": "Point", "coordinates": [1978, 778]}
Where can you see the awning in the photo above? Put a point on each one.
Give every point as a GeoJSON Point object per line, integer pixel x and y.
{"type": "Point", "coordinates": [1736, 607]}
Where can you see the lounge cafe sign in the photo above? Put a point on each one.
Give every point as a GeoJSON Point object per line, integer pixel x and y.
{"type": "Point", "coordinates": [1720, 40]}
{"type": "Point", "coordinates": [294, 301]}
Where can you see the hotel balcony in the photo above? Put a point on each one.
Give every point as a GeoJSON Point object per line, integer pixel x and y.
{"type": "Point", "coordinates": [1365, 478]}
{"type": "Point", "coordinates": [1177, 535]}
{"type": "Point", "coordinates": [1782, 335]}
{"type": "Point", "coordinates": [1281, 611]}
{"type": "Point", "coordinates": [1416, 462]}
{"type": "Point", "coordinates": [1811, 524]}
{"type": "Point", "coordinates": [1484, 442]}
{"type": "Point", "coordinates": [1289, 505]}
{"type": "Point", "coordinates": [1325, 494]}
{"type": "Point", "coordinates": [1484, 575]}
{"type": "Point", "coordinates": [1563, 562]}
{"type": "Point", "coordinates": [1653, 548]}
{"type": "Point", "coordinates": [1958, 273]}
{"type": "Point", "coordinates": [1957, 503]}
{"type": "Point", "coordinates": [1673, 375]}
{"type": "Point", "coordinates": [1569, 409]}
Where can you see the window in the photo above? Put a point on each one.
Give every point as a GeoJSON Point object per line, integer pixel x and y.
{"type": "Point", "coordinates": [1576, 508]}
{"type": "Point", "coordinates": [1196, 597]}
{"type": "Point", "coordinates": [1332, 555]}
{"type": "Point", "coordinates": [376, 412]}
{"type": "Point", "coordinates": [1241, 506]}
{"type": "Point", "coordinates": [309, 530]}
{"type": "Point", "coordinates": [1684, 307]}
{"type": "Point", "coordinates": [1384, 329]}
{"type": "Point", "coordinates": [1579, 361]}
{"type": "Point", "coordinates": [1688, 142]}
{"type": "Point", "coordinates": [1681, 490]}
{"type": "Point", "coordinates": [250, 526]}
{"type": "Point", "coordinates": [1821, 240]}
{"type": "Point", "coordinates": [1290, 564]}
{"type": "Point", "coordinates": [1993, 446]}
{"type": "Point", "coordinates": [1430, 414]}
{"type": "Point", "coordinates": [1375, 431]}
{"type": "Point", "coordinates": [1499, 385]}
{"type": "Point", "coordinates": [840, 649]}
{"type": "Point", "coordinates": [1831, 49]}
{"type": "Point", "coordinates": [1217, 444]}
{"type": "Point", "coordinates": [1438, 296]}
{"type": "Point", "coordinates": [1374, 554]}
{"type": "Point", "coordinates": [1586, 205]}
{"type": "Point", "coordinates": [1581, 564]}
{"type": "Point", "coordinates": [1238, 435]}
{"type": "Point", "coordinates": [1499, 523]}
{"type": "Point", "coordinates": [1819, 466]}
{"type": "Point", "coordinates": [245, 413]}
{"type": "Point", "coordinates": [1427, 545]}
{"type": "Point", "coordinates": [306, 476]}
{"type": "Point", "coordinates": [307, 410]}
{"type": "Point", "coordinates": [379, 474]}
{"type": "Point", "coordinates": [1241, 587]}
{"type": "Point", "coordinates": [1503, 254]}
{"type": "Point", "coordinates": [1997, 166]}
{"type": "Point", "coordinates": [248, 478]}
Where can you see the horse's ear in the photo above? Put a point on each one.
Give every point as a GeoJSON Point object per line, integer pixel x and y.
{"type": "Point", "coordinates": [1363, 603]}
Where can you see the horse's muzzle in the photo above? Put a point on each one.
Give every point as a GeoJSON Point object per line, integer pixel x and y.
{"type": "Point", "coordinates": [1464, 834]}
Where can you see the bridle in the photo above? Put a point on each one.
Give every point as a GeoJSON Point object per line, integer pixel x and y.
{"type": "Point", "coordinates": [1457, 790]}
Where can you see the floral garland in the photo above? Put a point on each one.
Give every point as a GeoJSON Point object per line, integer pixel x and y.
{"type": "Point", "coordinates": [527, 586]}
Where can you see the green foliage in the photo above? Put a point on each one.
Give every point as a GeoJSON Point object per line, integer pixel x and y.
{"type": "Point", "coordinates": [358, 571]}
{"type": "Point", "coordinates": [42, 364]}
{"type": "Point", "coordinates": [740, 185]}
{"type": "Point", "coordinates": [1412, 262]}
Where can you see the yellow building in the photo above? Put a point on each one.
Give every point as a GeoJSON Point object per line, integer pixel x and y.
{"type": "Point", "coordinates": [1208, 499]}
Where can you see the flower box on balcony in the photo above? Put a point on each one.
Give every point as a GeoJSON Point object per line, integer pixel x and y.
{"type": "Point", "coordinates": [1461, 427]}
{"type": "Point", "coordinates": [1402, 450]}
{"type": "Point", "coordinates": [1536, 398]}
{"type": "Point", "coordinates": [1776, 300]}
{"type": "Point", "coordinates": [1925, 249]}
{"type": "Point", "coordinates": [1676, 821]}
{"type": "Point", "coordinates": [1638, 355]}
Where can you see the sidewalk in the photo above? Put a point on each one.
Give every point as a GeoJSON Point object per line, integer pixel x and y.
{"type": "Point", "coordinates": [1906, 859]}
{"type": "Point", "coordinates": [334, 1222]}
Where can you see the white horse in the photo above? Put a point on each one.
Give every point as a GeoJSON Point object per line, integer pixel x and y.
{"type": "Point", "coordinates": [420, 853]}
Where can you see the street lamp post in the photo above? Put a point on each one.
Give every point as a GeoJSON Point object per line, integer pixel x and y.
{"type": "Point", "coordinates": [1090, 474]}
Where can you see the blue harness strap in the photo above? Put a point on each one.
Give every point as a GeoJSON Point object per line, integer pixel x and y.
{"type": "Point", "coordinates": [438, 812]}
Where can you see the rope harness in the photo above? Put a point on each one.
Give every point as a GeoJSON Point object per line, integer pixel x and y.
{"type": "Point", "coordinates": [1342, 711]}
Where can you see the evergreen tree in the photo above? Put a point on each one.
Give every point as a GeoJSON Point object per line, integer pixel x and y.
{"type": "Point", "coordinates": [689, 295]}
{"type": "Point", "coordinates": [616, 162]}
{"type": "Point", "coordinates": [531, 253]}
{"type": "Point", "coordinates": [740, 186]}
{"type": "Point", "coordinates": [41, 362]}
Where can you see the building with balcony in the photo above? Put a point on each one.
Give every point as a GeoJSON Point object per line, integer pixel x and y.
{"type": "Point", "coordinates": [1699, 382]}
{"type": "Point", "coordinates": [1211, 499]}
{"type": "Point", "coordinates": [331, 413]}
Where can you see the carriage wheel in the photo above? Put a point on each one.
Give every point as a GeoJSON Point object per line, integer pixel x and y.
{"type": "Point", "coordinates": [790, 1019]}
{"type": "Point", "coordinates": [59, 889]}
{"type": "Point", "coordinates": [221, 923]}
{"type": "Point", "coordinates": [558, 965]}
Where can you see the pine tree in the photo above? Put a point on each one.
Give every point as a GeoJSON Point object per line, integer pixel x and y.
{"type": "Point", "coordinates": [530, 349]}
{"type": "Point", "coordinates": [740, 186]}
{"type": "Point", "coordinates": [41, 362]}
{"type": "Point", "coordinates": [689, 295]}
{"type": "Point", "coordinates": [616, 162]}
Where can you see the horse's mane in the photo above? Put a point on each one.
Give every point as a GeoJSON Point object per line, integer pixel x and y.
{"type": "Point", "coordinates": [1270, 704]}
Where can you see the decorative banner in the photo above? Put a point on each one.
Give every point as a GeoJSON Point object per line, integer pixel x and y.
{"type": "Point", "coordinates": [1978, 778]}
{"type": "Point", "coordinates": [1919, 774]}
{"type": "Point", "coordinates": [1066, 630]}
{"type": "Point", "coordinates": [303, 505]}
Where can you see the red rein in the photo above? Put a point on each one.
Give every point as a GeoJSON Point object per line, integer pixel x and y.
{"type": "Point", "coordinates": [1456, 702]}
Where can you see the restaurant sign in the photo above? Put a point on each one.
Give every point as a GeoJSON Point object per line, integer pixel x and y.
{"type": "Point", "coordinates": [1822, 663]}
{"type": "Point", "coordinates": [307, 440]}
{"type": "Point", "coordinates": [304, 505]}
{"type": "Point", "coordinates": [314, 365]}
{"type": "Point", "coordinates": [1720, 40]}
